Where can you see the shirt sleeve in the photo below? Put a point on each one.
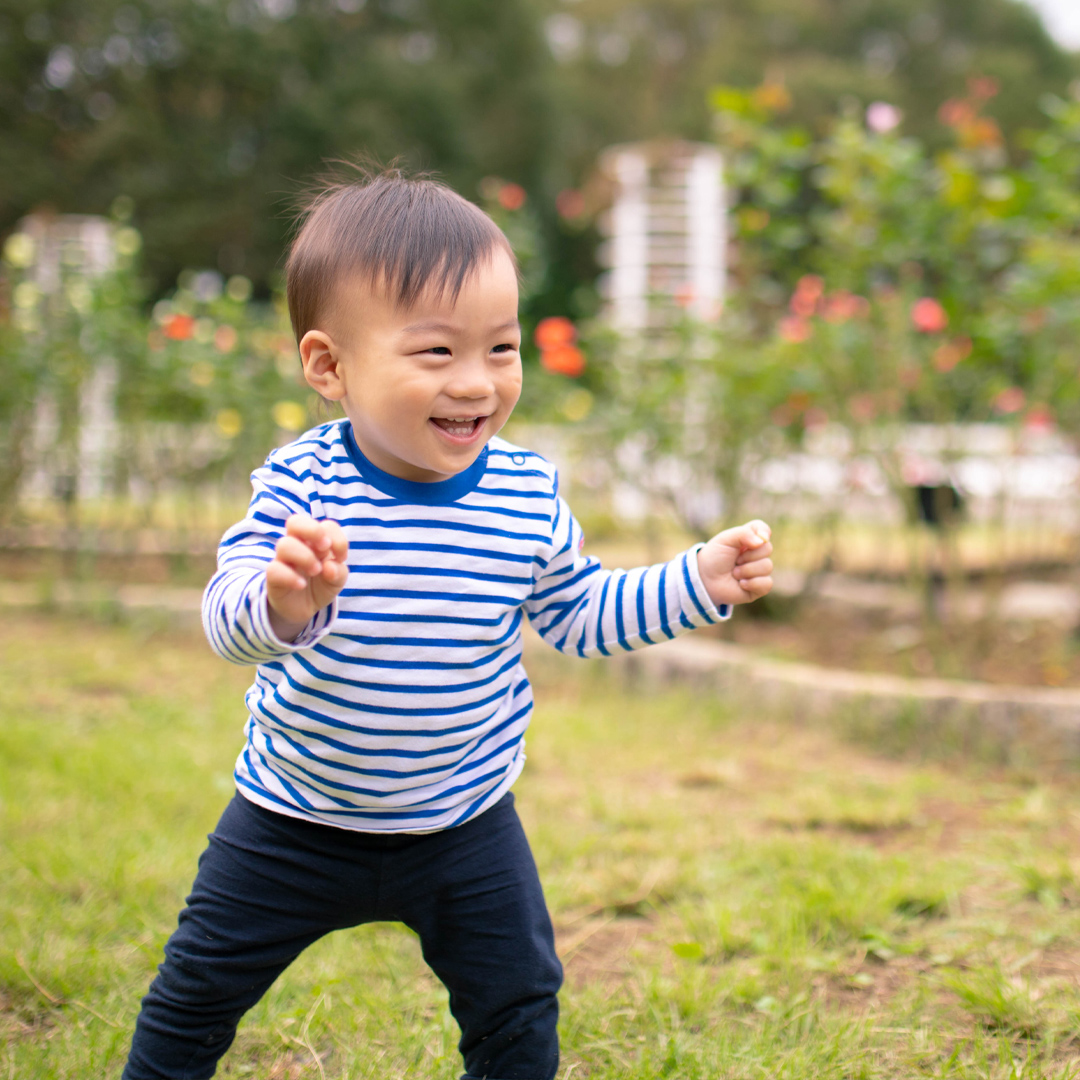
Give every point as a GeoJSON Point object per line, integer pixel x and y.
{"type": "Point", "coordinates": [235, 611]}
{"type": "Point", "coordinates": [578, 607]}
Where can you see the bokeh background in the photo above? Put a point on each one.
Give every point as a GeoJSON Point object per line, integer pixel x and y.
{"type": "Point", "coordinates": [811, 260]}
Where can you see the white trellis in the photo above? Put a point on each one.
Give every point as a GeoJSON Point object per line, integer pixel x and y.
{"type": "Point", "coordinates": [666, 233]}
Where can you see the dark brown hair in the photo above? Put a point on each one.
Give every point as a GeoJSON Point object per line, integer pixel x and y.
{"type": "Point", "coordinates": [404, 234]}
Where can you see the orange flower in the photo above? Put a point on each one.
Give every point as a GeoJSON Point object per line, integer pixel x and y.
{"type": "Point", "coordinates": [773, 97]}
{"type": "Point", "coordinates": [563, 360]}
{"type": "Point", "coordinates": [554, 331]}
{"type": "Point", "coordinates": [511, 196]}
{"type": "Point", "coordinates": [983, 132]}
{"type": "Point", "coordinates": [180, 327]}
{"type": "Point", "coordinates": [949, 354]}
{"type": "Point", "coordinates": [928, 316]}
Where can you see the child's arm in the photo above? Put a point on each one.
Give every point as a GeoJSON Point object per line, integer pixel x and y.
{"type": "Point", "coordinates": [308, 570]}
{"type": "Point", "coordinates": [254, 604]}
{"type": "Point", "coordinates": [579, 607]}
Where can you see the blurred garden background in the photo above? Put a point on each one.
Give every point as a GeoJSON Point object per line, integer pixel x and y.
{"type": "Point", "coordinates": [817, 262]}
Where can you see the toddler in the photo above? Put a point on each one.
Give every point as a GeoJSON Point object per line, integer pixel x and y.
{"type": "Point", "coordinates": [379, 582]}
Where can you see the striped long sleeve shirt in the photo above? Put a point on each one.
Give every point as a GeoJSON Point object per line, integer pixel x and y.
{"type": "Point", "coordinates": [402, 707]}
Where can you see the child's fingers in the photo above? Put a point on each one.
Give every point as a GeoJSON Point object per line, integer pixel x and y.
{"type": "Point", "coordinates": [757, 569]}
{"type": "Point", "coordinates": [281, 578]}
{"type": "Point", "coordinates": [335, 573]}
{"type": "Point", "coordinates": [308, 530]}
{"type": "Point", "coordinates": [751, 554]}
{"type": "Point", "coordinates": [297, 555]}
{"type": "Point", "coordinates": [757, 587]}
{"type": "Point", "coordinates": [760, 533]}
{"type": "Point", "coordinates": [339, 546]}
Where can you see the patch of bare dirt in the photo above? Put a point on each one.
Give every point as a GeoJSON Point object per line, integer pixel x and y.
{"type": "Point", "coordinates": [599, 949]}
{"type": "Point", "coordinates": [20, 1019]}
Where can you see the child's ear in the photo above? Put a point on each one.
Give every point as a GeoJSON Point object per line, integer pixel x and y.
{"type": "Point", "coordinates": [322, 365]}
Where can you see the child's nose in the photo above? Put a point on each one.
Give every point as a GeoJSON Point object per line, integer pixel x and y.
{"type": "Point", "coordinates": [471, 380]}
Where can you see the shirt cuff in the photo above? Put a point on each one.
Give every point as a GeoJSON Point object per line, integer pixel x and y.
{"type": "Point", "coordinates": [700, 608]}
{"type": "Point", "coordinates": [264, 631]}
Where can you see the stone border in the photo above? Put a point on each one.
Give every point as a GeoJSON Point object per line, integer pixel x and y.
{"type": "Point", "coordinates": [1005, 723]}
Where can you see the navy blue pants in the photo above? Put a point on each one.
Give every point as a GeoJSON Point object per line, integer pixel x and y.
{"type": "Point", "coordinates": [268, 886]}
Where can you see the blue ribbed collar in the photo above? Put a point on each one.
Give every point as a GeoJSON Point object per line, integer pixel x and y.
{"type": "Point", "coordinates": [436, 493]}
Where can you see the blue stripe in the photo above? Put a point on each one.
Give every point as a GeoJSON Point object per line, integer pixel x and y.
{"type": "Point", "coordinates": [601, 606]}
{"type": "Point", "coordinates": [662, 591]}
{"type": "Point", "coordinates": [691, 590]}
{"type": "Point", "coordinates": [641, 611]}
{"type": "Point", "coordinates": [620, 626]}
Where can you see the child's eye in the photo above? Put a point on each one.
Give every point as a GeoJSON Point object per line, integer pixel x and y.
{"type": "Point", "coordinates": [507, 347]}
{"type": "Point", "coordinates": [439, 350]}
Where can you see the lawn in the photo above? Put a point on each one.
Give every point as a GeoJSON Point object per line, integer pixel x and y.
{"type": "Point", "coordinates": [736, 895]}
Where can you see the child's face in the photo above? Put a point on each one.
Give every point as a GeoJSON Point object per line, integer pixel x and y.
{"type": "Point", "coordinates": [425, 387]}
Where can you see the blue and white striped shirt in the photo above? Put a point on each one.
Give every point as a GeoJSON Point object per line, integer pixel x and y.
{"type": "Point", "coordinates": [403, 706]}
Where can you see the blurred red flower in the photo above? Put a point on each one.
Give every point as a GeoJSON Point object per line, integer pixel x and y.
{"type": "Point", "coordinates": [554, 331]}
{"type": "Point", "coordinates": [563, 360]}
{"type": "Point", "coordinates": [928, 316]}
{"type": "Point", "coordinates": [180, 327]}
{"type": "Point", "coordinates": [511, 196]}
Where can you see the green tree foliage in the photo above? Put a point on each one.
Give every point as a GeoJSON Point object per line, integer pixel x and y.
{"type": "Point", "coordinates": [211, 113]}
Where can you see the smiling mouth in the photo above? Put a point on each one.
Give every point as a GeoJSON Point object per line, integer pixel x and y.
{"type": "Point", "coordinates": [459, 427]}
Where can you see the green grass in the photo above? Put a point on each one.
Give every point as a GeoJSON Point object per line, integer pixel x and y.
{"type": "Point", "coordinates": [735, 895]}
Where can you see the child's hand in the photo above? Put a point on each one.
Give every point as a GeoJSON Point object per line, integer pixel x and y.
{"type": "Point", "coordinates": [310, 568]}
{"type": "Point", "coordinates": [735, 566]}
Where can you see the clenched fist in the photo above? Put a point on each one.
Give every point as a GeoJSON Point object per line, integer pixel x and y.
{"type": "Point", "coordinates": [735, 566]}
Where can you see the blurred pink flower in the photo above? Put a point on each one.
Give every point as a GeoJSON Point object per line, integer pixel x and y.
{"type": "Point", "coordinates": [1010, 400]}
{"type": "Point", "coordinates": [955, 113]}
{"type": "Point", "coordinates": [842, 306]}
{"type": "Point", "coordinates": [928, 316]}
{"type": "Point", "coordinates": [983, 87]}
{"type": "Point", "coordinates": [570, 203]}
{"type": "Point", "coordinates": [1039, 418]}
{"type": "Point", "coordinates": [881, 117]}
{"type": "Point", "coordinates": [795, 329]}
{"type": "Point", "coordinates": [862, 407]}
